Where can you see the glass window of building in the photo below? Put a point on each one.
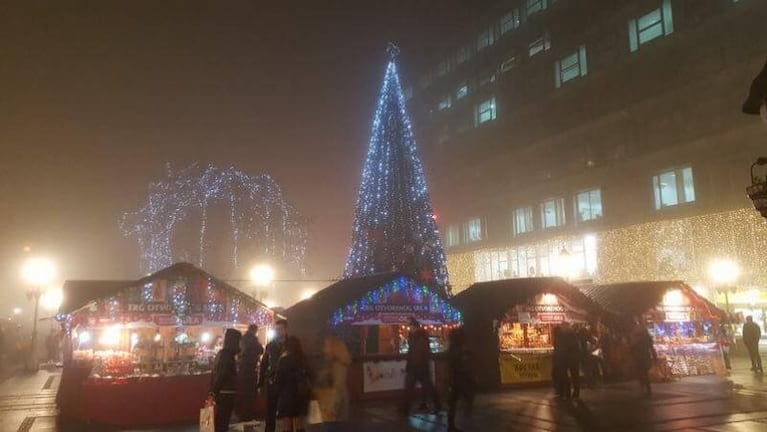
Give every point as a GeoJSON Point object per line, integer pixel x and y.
{"type": "Point", "coordinates": [510, 21]}
{"type": "Point", "coordinates": [486, 78]}
{"type": "Point", "coordinates": [657, 23]}
{"type": "Point", "coordinates": [443, 68]}
{"type": "Point", "coordinates": [462, 55]}
{"type": "Point", "coordinates": [588, 205]}
{"type": "Point", "coordinates": [462, 91]}
{"type": "Point", "coordinates": [570, 67]}
{"type": "Point", "coordinates": [534, 6]}
{"type": "Point", "coordinates": [539, 45]}
{"type": "Point", "coordinates": [553, 213]}
{"type": "Point", "coordinates": [673, 187]}
{"type": "Point", "coordinates": [523, 220]}
{"type": "Point", "coordinates": [473, 231]}
{"type": "Point", "coordinates": [453, 236]}
{"type": "Point", "coordinates": [486, 111]}
{"type": "Point", "coordinates": [444, 103]}
{"type": "Point", "coordinates": [508, 63]}
{"type": "Point", "coordinates": [485, 39]}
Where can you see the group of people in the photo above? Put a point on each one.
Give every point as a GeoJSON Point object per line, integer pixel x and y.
{"type": "Point", "coordinates": [282, 374]}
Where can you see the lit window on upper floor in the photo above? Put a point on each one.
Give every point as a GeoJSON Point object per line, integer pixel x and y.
{"type": "Point", "coordinates": [510, 21]}
{"type": "Point", "coordinates": [486, 111]}
{"type": "Point", "coordinates": [570, 67]}
{"type": "Point", "coordinates": [523, 220]}
{"type": "Point", "coordinates": [673, 187]}
{"type": "Point", "coordinates": [657, 23]}
{"type": "Point", "coordinates": [453, 236]}
{"type": "Point", "coordinates": [473, 230]}
{"type": "Point", "coordinates": [443, 68]}
{"type": "Point", "coordinates": [462, 91]}
{"type": "Point", "coordinates": [553, 213]}
{"type": "Point", "coordinates": [588, 205]}
{"type": "Point", "coordinates": [534, 6]}
{"type": "Point", "coordinates": [444, 103]}
{"type": "Point", "coordinates": [539, 45]}
{"type": "Point", "coordinates": [485, 39]}
{"type": "Point", "coordinates": [462, 55]}
{"type": "Point", "coordinates": [408, 92]}
{"type": "Point", "coordinates": [509, 62]}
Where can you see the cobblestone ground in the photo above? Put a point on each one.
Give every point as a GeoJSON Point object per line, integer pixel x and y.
{"type": "Point", "coordinates": [737, 403]}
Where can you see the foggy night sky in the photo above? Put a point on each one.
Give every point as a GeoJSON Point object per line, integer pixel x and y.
{"type": "Point", "coordinates": [96, 96]}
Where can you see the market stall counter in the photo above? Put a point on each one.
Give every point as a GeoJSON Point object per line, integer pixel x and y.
{"type": "Point", "coordinates": [139, 353]}
{"type": "Point", "coordinates": [371, 314]}
{"type": "Point", "coordinates": [510, 327]}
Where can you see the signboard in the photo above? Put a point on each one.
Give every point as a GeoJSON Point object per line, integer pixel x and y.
{"type": "Point", "coordinates": [546, 309]}
{"type": "Point", "coordinates": [386, 375]}
{"type": "Point", "coordinates": [524, 368]}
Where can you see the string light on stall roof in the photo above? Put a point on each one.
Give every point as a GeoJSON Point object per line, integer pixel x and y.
{"type": "Point", "coordinates": [259, 216]}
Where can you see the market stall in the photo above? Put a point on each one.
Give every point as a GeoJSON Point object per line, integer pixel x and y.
{"type": "Point", "coordinates": [510, 326]}
{"type": "Point", "coordinates": [684, 325]}
{"type": "Point", "coordinates": [371, 315]}
{"type": "Point", "coordinates": [140, 352]}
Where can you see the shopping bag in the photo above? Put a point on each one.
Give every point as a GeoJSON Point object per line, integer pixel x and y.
{"type": "Point", "coordinates": [206, 419]}
{"type": "Point", "coordinates": [315, 415]}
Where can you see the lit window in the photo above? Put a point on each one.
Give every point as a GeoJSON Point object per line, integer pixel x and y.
{"type": "Point", "coordinates": [539, 45]}
{"type": "Point", "coordinates": [553, 213]}
{"type": "Point", "coordinates": [655, 24]}
{"type": "Point", "coordinates": [444, 103]}
{"type": "Point", "coordinates": [533, 6]}
{"type": "Point", "coordinates": [462, 91]}
{"type": "Point", "coordinates": [443, 68]}
{"type": "Point", "coordinates": [462, 55]}
{"type": "Point", "coordinates": [508, 63]}
{"type": "Point", "coordinates": [523, 220]}
{"type": "Point", "coordinates": [510, 21]}
{"type": "Point", "coordinates": [485, 39]}
{"type": "Point", "coordinates": [570, 67]}
{"type": "Point", "coordinates": [486, 111]}
{"type": "Point", "coordinates": [673, 187]}
{"type": "Point", "coordinates": [588, 205]}
{"type": "Point", "coordinates": [453, 236]}
{"type": "Point", "coordinates": [473, 230]}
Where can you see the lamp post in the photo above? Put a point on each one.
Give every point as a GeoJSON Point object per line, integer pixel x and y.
{"type": "Point", "coordinates": [724, 273]}
{"type": "Point", "coordinates": [262, 276]}
{"type": "Point", "coordinates": [38, 273]}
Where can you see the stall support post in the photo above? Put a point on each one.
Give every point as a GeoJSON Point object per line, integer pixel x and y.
{"type": "Point", "coordinates": [30, 364]}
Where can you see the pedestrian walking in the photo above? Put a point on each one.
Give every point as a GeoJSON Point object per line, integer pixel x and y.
{"type": "Point", "coordinates": [418, 367]}
{"type": "Point", "coordinates": [461, 380]}
{"type": "Point", "coordinates": [250, 354]}
{"type": "Point", "coordinates": [293, 387]}
{"type": "Point", "coordinates": [643, 355]}
{"type": "Point", "coordinates": [574, 352]}
{"type": "Point", "coordinates": [223, 380]}
{"type": "Point", "coordinates": [268, 372]}
{"type": "Point", "coordinates": [559, 364]}
{"type": "Point", "coordinates": [331, 385]}
{"type": "Point", "coordinates": [751, 336]}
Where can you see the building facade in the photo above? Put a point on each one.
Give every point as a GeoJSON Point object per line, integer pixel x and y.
{"type": "Point", "coordinates": [599, 140]}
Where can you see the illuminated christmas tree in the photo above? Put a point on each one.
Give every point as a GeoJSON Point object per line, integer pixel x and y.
{"type": "Point", "coordinates": [394, 226]}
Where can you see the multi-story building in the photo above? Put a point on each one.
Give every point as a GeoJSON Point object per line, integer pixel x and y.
{"type": "Point", "coordinates": [598, 139]}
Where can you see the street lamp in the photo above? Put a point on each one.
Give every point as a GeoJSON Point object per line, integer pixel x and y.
{"type": "Point", "coordinates": [724, 273]}
{"type": "Point", "coordinates": [262, 276]}
{"type": "Point", "coordinates": [38, 273]}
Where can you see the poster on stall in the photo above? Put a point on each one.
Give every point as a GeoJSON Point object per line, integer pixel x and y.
{"type": "Point", "coordinates": [546, 309]}
{"type": "Point", "coordinates": [385, 375]}
{"type": "Point", "coordinates": [523, 368]}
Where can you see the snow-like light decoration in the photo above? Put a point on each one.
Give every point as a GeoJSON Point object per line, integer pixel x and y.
{"type": "Point", "coordinates": [417, 299]}
{"type": "Point", "coordinates": [394, 226]}
{"type": "Point", "coordinates": [258, 214]}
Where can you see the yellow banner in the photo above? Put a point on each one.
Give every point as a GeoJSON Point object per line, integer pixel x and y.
{"type": "Point", "coordinates": [525, 368]}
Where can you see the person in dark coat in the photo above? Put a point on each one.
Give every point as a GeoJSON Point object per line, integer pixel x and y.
{"type": "Point", "coordinates": [418, 367]}
{"type": "Point", "coordinates": [293, 388]}
{"type": "Point", "coordinates": [644, 356]}
{"type": "Point", "coordinates": [751, 336]}
{"type": "Point", "coordinates": [223, 380]}
{"type": "Point", "coordinates": [267, 372]}
{"type": "Point", "coordinates": [461, 380]}
{"type": "Point", "coordinates": [250, 355]}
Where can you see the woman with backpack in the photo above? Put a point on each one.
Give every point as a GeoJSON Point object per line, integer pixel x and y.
{"type": "Point", "coordinates": [293, 387]}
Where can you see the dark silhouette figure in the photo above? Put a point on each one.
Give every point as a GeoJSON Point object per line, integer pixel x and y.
{"type": "Point", "coordinates": [223, 380]}
{"type": "Point", "coordinates": [567, 362]}
{"type": "Point", "coordinates": [418, 367]}
{"type": "Point", "coordinates": [643, 354]}
{"type": "Point", "coordinates": [250, 355]}
{"type": "Point", "coordinates": [751, 336]}
{"type": "Point", "coordinates": [268, 372]}
{"type": "Point", "coordinates": [293, 387]}
{"type": "Point", "coordinates": [461, 380]}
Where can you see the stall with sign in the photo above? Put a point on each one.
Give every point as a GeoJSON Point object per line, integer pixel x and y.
{"type": "Point", "coordinates": [140, 352]}
{"type": "Point", "coordinates": [510, 326]}
{"type": "Point", "coordinates": [371, 315]}
{"type": "Point", "coordinates": [684, 325]}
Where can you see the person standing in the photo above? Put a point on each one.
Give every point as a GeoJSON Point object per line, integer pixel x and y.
{"type": "Point", "coordinates": [268, 372]}
{"type": "Point", "coordinates": [751, 336]}
{"type": "Point", "coordinates": [559, 363]}
{"type": "Point", "coordinates": [331, 386]}
{"type": "Point", "coordinates": [644, 356]}
{"type": "Point", "coordinates": [292, 387]}
{"type": "Point", "coordinates": [223, 380]}
{"type": "Point", "coordinates": [251, 351]}
{"type": "Point", "coordinates": [461, 380]}
{"type": "Point", "coordinates": [418, 367]}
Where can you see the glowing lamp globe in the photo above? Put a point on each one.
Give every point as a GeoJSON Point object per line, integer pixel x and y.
{"type": "Point", "coordinates": [38, 271]}
{"type": "Point", "coordinates": [262, 274]}
{"type": "Point", "coordinates": [724, 271]}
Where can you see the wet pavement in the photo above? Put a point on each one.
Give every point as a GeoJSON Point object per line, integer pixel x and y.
{"type": "Point", "coordinates": [735, 403]}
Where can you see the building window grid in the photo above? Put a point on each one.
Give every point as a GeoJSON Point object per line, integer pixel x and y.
{"type": "Point", "coordinates": [553, 213]}
{"type": "Point", "coordinates": [535, 6]}
{"type": "Point", "coordinates": [573, 66]}
{"type": "Point", "coordinates": [539, 45]}
{"type": "Point", "coordinates": [486, 38]}
{"type": "Point", "coordinates": [510, 21]}
{"type": "Point", "coordinates": [673, 187]}
{"type": "Point", "coordinates": [462, 55]}
{"type": "Point", "coordinates": [486, 111]}
{"type": "Point", "coordinates": [650, 26]}
{"type": "Point", "coordinates": [453, 236]}
{"type": "Point", "coordinates": [588, 205]}
{"type": "Point", "coordinates": [474, 230]}
{"type": "Point", "coordinates": [523, 220]}
{"type": "Point", "coordinates": [508, 63]}
{"type": "Point", "coordinates": [444, 103]}
{"type": "Point", "coordinates": [462, 91]}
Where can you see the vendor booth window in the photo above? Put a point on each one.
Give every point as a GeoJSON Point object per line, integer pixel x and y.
{"type": "Point", "coordinates": [588, 205]}
{"type": "Point", "coordinates": [553, 213]}
{"type": "Point", "coordinates": [673, 187]}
